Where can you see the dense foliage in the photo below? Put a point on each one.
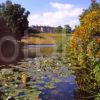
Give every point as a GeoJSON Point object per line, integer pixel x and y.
{"type": "Point", "coordinates": [84, 49]}
{"type": "Point", "coordinates": [15, 17]}
{"type": "Point", "coordinates": [94, 6]}
{"type": "Point", "coordinates": [31, 31]}
{"type": "Point", "coordinates": [67, 29]}
{"type": "Point", "coordinates": [59, 29]}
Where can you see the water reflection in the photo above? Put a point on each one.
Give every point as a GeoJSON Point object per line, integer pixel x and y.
{"type": "Point", "coordinates": [27, 51]}
{"type": "Point", "coordinates": [38, 50]}
{"type": "Point", "coordinates": [61, 91]}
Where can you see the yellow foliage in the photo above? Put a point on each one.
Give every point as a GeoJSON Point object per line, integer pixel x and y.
{"type": "Point", "coordinates": [24, 78]}
{"type": "Point", "coordinates": [83, 41]}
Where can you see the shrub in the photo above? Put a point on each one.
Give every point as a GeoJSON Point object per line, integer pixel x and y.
{"type": "Point", "coordinates": [83, 53]}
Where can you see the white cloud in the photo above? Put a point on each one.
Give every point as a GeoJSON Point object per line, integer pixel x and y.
{"type": "Point", "coordinates": [61, 6]}
{"type": "Point", "coordinates": [64, 14]}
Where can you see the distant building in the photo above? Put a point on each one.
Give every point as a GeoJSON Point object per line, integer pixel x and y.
{"type": "Point", "coordinates": [44, 29]}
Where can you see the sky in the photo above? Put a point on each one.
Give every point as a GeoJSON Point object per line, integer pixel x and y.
{"type": "Point", "coordinates": [54, 12]}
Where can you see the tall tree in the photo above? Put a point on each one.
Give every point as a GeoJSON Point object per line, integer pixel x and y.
{"type": "Point", "coordinates": [67, 29]}
{"type": "Point", "coordinates": [16, 18]}
{"type": "Point", "coordinates": [59, 29]}
{"type": "Point", "coordinates": [94, 6]}
{"type": "Point", "coordinates": [84, 52]}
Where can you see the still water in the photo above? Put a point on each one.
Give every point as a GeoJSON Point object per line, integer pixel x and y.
{"type": "Point", "coordinates": [38, 50]}
{"type": "Point", "coordinates": [61, 90]}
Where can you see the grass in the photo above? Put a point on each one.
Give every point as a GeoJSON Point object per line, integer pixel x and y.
{"type": "Point", "coordinates": [44, 38]}
{"type": "Point", "coordinates": [60, 40]}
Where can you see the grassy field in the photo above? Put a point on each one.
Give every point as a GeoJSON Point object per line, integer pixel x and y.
{"type": "Point", "coordinates": [45, 38]}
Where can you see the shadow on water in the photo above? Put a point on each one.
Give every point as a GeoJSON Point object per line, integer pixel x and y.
{"type": "Point", "coordinates": [25, 51]}
{"type": "Point", "coordinates": [7, 53]}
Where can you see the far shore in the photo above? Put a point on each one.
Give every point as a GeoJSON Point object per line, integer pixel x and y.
{"type": "Point", "coordinates": [43, 39]}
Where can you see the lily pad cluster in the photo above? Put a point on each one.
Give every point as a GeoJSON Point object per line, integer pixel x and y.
{"type": "Point", "coordinates": [26, 80]}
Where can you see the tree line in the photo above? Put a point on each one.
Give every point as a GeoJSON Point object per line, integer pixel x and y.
{"type": "Point", "coordinates": [59, 29]}
{"type": "Point", "coordinates": [66, 29]}
{"type": "Point", "coordinates": [16, 18]}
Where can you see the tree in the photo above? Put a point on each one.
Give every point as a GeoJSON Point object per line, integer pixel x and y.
{"type": "Point", "coordinates": [15, 17]}
{"type": "Point", "coordinates": [8, 3]}
{"type": "Point", "coordinates": [84, 49]}
{"type": "Point", "coordinates": [67, 29]}
{"type": "Point", "coordinates": [59, 29]}
{"type": "Point", "coordinates": [94, 6]}
{"type": "Point", "coordinates": [31, 31]}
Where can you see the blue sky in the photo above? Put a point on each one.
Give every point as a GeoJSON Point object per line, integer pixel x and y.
{"type": "Point", "coordinates": [53, 12]}
{"type": "Point", "coordinates": [43, 5]}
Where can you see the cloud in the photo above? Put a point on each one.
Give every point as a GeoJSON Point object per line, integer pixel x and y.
{"type": "Point", "coordinates": [61, 6]}
{"type": "Point", "coordinates": [63, 14]}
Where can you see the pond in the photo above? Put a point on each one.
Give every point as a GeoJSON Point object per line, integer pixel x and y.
{"type": "Point", "coordinates": [63, 90]}
{"type": "Point", "coordinates": [39, 50]}
{"type": "Point", "coordinates": [39, 46]}
{"type": "Point", "coordinates": [50, 86]}
{"type": "Point", "coordinates": [49, 79]}
{"type": "Point", "coordinates": [24, 51]}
